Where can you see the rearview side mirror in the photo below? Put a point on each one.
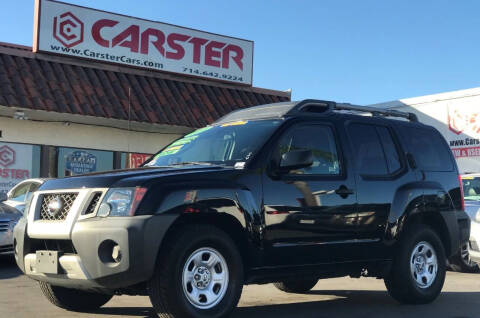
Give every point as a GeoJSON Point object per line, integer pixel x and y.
{"type": "Point", "coordinates": [296, 159]}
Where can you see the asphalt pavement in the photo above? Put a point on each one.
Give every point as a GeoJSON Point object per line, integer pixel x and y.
{"type": "Point", "coordinates": [20, 297]}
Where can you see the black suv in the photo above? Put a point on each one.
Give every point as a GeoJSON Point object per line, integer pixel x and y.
{"type": "Point", "coordinates": [285, 193]}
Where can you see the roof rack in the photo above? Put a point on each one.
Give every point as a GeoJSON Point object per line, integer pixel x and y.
{"type": "Point", "coordinates": [311, 106]}
{"type": "Point", "coordinates": [322, 106]}
{"type": "Point", "coordinates": [377, 112]}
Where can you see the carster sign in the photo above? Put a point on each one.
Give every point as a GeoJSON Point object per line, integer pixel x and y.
{"type": "Point", "coordinates": [76, 31]}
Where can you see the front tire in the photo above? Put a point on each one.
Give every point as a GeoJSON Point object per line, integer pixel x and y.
{"type": "Point", "coordinates": [199, 274]}
{"type": "Point", "coordinates": [296, 286]}
{"type": "Point", "coordinates": [73, 299]}
{"type": "Point", "coordinates": [418, 270]}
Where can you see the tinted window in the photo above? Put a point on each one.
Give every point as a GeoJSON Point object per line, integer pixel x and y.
{"type": "Point", "coordinates": [429, 150]}
{"type": "Point", "coordinates": [317, 138]}
{"type": "Point", "coordinates": [225, 144]}
{"type": "Point", "coordinates": [370, 159]}
{"type": "Point", "coordinates": [391, 153]}
{"type": "Point", "coordinates": [20, 193]}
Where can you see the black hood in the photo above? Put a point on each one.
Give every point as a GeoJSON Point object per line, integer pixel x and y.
{"type": "Point", "coordinates": [124, 178]}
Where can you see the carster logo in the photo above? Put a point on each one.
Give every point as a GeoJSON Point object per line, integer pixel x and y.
{"type": "Point", "coordinates": [7, 156]}
{"type": "Point", "coordinates": [68, 29]}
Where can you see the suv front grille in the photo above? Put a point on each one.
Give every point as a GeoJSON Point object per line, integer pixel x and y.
{"type": "Point", "coordinates": [4, 225]}
{"type": "Point", "coordinates": [93, 203]}
{"type": "Point", "coordinates": [66, 201]}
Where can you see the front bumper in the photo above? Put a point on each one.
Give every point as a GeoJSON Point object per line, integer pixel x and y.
{"type": "Point", "coordinates": [89, 265]}
{"type": "Point", "coordinates": [474, 244]}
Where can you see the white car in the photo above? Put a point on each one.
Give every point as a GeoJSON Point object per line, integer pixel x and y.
{"type": "Point", "coordinates": [12, 206]}
{"type": "Point", "coordinates": [470, 253]}
{"type": "Point", "coordinates": [20, 193]}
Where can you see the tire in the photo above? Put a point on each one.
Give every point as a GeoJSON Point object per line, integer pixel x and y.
{"type": "Point", "coordinates": [461, 261]}
{"type": "Point", "coordinates": [403, 283]}
{"type": "Point", "coordinates": [74, 299]}
{"type": "Point", "coordinates": [194, 255]}
{"type": "Point", "coordinates": [297, 287]}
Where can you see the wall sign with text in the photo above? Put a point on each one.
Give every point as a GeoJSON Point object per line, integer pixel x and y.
{"type": "Point", "coordinates": [76, 31]}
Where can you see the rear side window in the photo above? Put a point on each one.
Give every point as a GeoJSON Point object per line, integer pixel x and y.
{"type": "Point", "coordinates": [429, 149]}
{"type": "Point", "coordinates": [375, 151]}
{"type": "Point", "coordinates": [391, 153]}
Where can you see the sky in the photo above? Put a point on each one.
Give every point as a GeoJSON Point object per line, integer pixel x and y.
{"type": "Point", "coordinates": [354, 51]}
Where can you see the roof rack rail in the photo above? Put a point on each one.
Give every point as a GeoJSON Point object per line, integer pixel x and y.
{"type": "Point", "coordinates": [376, 111]}
{"type": "Point", "coordinates": [322, 106]}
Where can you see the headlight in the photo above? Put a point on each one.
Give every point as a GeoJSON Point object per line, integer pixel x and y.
{"type": "Point", "coordinates": [121, 202]}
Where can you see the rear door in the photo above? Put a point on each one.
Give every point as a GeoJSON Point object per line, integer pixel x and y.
{"type": "Point", "coordinates": [380, 170]}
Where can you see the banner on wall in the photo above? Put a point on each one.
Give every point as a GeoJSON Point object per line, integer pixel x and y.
{"type": "Point", "coordinates": [15, 164]}
{"type": "Point", "coordinates": [135, 160]}
{"type": "Point", "coordinates": [81, 32]}
{"type": "Point", "coordinates": [80, 162]}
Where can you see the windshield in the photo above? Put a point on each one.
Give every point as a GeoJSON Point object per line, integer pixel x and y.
{"type": "Point", "coordinates": [224, 144]}
{"type": "Point", "coordinates": [471, 188]}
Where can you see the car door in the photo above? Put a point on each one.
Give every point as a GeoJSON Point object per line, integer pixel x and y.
{"type": "Point", "coordinates": [310, 213]}
{"type": "Point", "coordinates": [380, 171]}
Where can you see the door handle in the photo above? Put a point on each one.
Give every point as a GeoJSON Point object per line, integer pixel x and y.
{"type": "Point", "coordinates": [343, 191]}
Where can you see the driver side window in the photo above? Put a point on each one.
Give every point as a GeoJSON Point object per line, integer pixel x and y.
{"type": "Point", "coordinates": [317, 138]}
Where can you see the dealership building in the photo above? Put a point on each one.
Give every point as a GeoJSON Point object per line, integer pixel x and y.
{"type": "Point", "coordinates": [101, 91]}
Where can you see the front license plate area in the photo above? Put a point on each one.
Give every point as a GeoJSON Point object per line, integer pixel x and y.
{"type": "Point", "coordinates": [47, 262]}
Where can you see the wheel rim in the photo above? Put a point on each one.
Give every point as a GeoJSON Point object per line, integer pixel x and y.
{"type": "Point", "coordinates": [205, 278]}
{"type": "Point", "coordinates": [465, 255]}
{"type": "Point", "coordinates": [424, 264]}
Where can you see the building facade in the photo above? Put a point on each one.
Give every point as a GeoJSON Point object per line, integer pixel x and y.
{"type": "Point", "coordinates": [61, 115]}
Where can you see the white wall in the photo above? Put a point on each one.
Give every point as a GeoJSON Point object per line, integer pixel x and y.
{"type": "Point", "coordinates": [82, 136]}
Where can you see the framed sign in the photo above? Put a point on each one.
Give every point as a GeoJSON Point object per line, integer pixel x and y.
{"type": "Point", "coordinates": [67, 29]}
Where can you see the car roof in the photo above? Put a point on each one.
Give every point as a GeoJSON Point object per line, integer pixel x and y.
{"type": "Point", "coordinates": [309, 107]}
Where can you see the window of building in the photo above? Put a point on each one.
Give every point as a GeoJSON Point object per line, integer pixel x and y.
{"type": "Point", "coordinates": [18, 162]}
{"type": "Point", "coordinates": [73, 161]}
{"type": "Point", "coordinates": [317, 138]}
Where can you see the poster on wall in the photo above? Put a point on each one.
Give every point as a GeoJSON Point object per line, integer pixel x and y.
{"type": "Point", "coordinates": [80, 162]}
{"type": "Point", "coordinates": [464, 123]}
{"type": "Point", "coordinates": [75, 161]}
{"type": "Point", "coordinates": [135, 160]}
{"type": "Point", "coordinates": [15, 164]}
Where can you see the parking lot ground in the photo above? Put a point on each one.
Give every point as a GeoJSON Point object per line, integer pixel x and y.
{"type": "Point", "coordinates": [342, 297]}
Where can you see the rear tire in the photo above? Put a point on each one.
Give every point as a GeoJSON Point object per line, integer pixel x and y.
{"type": "Point", "coordinates": [296, 286]}
{"type": "Point", "coordinates": [199, 274]}
{"type": "Point", "coordinates": [461, 261]}
{"type": "Point", "coordinates": [418, 270]}
{"type": "Point", "coordinates": [74, 299]}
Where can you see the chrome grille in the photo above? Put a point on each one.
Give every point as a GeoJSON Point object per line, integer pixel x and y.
{"type": "Point", "coordinates": [4, 225]}
{"type": "Point", "coordinates": [93, 203]}
{"type": "Point", "coordinates": [66, 201]}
